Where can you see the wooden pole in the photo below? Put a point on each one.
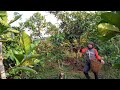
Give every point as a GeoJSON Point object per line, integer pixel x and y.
{"type": "Point", "coordinates": [2, 69]}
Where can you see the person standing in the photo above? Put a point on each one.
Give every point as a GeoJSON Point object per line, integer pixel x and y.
{"type": "Point", "coordinates": [90, 53]}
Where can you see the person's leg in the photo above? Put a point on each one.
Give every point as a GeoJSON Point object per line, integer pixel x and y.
{"type": "Point", "coordinates": [86, 70]}
{"type": "Point", "coordinates": [96, 75]}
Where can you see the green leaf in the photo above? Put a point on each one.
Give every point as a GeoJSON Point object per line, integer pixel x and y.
{"type": "Point", "coordinates": [11, 54]}
{"type": "Point", "coordinates": [15, 19]}
{"type": "Point", "coordinates": [107, 31]}
{"type": "Point", "coordinates": [104, 27]}
{"type": "Point", "coordinates": [3, 21]}
{"type": "Point", "coordinates": [30, 57]}
{"type": "Point", "coordinates": [14, 31]}
{"type": "Point", "coordinates": [5, 41]}
{"type": "Point", "coordinates": [25, 69]}
{"type": "Point", "coordinates": [26, 42]}
{"type": "Point", "coordinates": [110, 25]}
{"type": "Point", "coordinates": [3, 16]}
{"type": "Point", "coordinates": [36, 61]}
{"type": "Point", "coordinates": [34, 45]}
{"type": "Point", "coordinates": [19, 57]}
{"type": "Point", "coordinates": [21, 43]}
{"type": "Point", "coordinates": [112, 18]}
{"type": "Point", "coordinates": [3, 26]}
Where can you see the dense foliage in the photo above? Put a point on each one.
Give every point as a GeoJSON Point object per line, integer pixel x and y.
{"type": "Point", "coordinates": [35, 56]}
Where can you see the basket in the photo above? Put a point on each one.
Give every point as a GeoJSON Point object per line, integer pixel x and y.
{"type": "Point", "coordinates": [96, 66]}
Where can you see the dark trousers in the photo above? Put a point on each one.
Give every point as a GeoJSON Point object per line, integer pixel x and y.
{"type": "Point", "coordinates": [87, 69]}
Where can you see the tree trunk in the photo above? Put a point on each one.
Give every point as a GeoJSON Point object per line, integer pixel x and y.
{"type": "Point", "coordinates": [77, 58]}
{"type": "Point", "coordinates": [59, 64]}
{"type": "Point", "coordinates": [78, 41]}
{"type": "Point", "coordinates": [71, 47]}
{"type": "Point", "coordinates": [78, 48]}
{"type": "Point", "coordinates": [2, 69]}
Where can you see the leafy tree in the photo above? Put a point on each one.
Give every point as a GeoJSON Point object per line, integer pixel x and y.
{"type": "Point", "coordinates": [77, 24]}
{"type": "Point", "coordinates": [36, 24]}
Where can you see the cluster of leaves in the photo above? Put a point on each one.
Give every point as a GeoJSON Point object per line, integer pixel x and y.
{"type": "Point", "coordinates": [57, 39]}
{"type": "Point", "coordinates": [109, 30]}
{"type": "Point", "coordinates": [78, 25]}
{"type": "Point", "coordinates": [18, 47]}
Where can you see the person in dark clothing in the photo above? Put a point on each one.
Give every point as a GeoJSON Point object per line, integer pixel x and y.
{"type": "Point", "coordinates": [90, 53]}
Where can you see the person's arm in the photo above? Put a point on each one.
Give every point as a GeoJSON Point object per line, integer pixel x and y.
{"type": "Point", "coordinates": [82, 51]}
{"type": "Point", "coordinates": [97, 56]}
